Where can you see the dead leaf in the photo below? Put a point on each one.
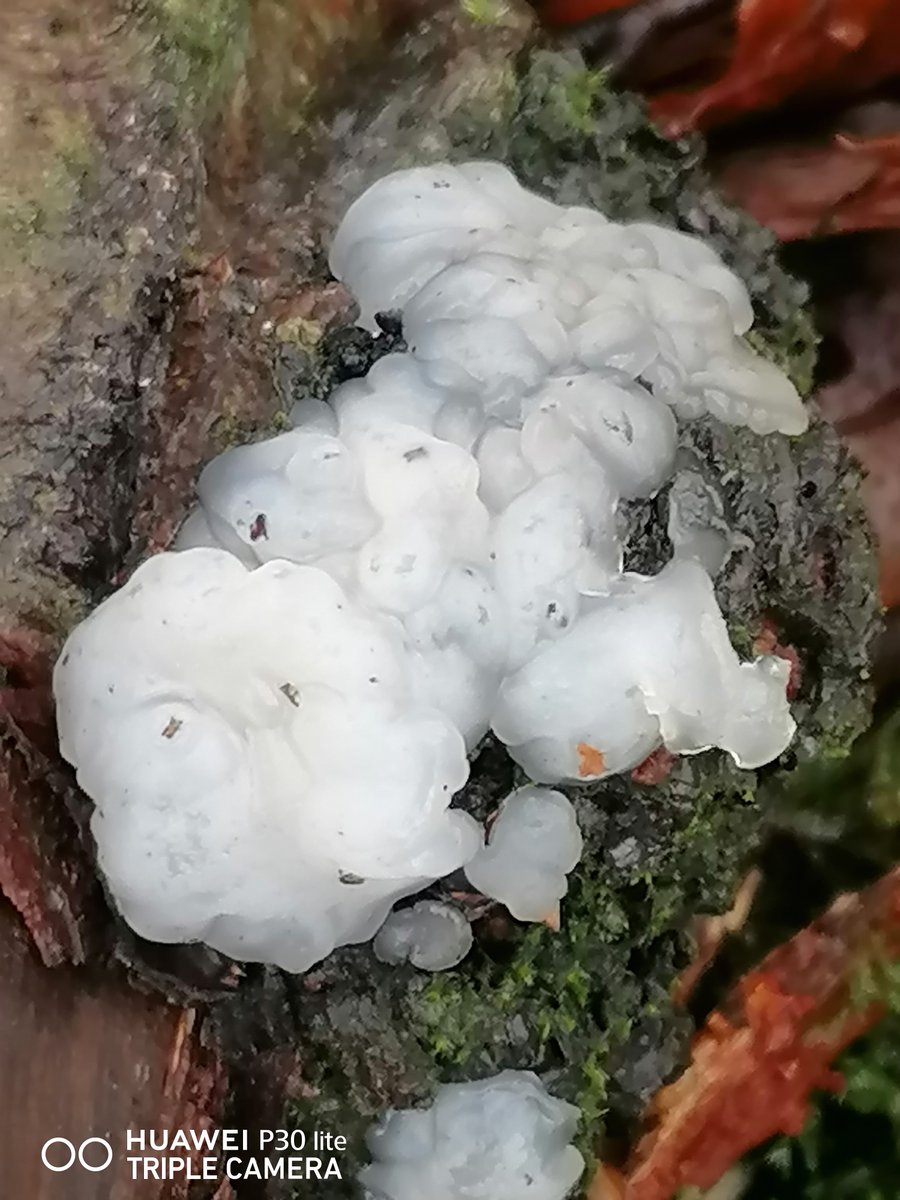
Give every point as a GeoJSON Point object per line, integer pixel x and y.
{"type": "Point", "coordinates": [607, 1184]}
{"type": "Point", "coordinates": [788, 50]}
{"type": "Point", "coordinates": [829, 184]}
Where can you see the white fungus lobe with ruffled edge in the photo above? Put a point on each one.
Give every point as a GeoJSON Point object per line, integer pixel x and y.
{"type": "Point", "coordinates": [533, 843]}
{"type": "Point", "coordinates": [264, 779]}
{"type": "Point", "coordinates": [500, 288]}
{"type": "Point", "coordinates": [503, 1138]}
{"type": "Point", "coordinates": [430, 935]}
{"type": "Point", "coordinates": [272, 721]}
{"type": "Point", "coordinates": [648, 664]}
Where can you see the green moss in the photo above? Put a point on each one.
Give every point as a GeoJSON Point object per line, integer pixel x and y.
{"type": "Point", "coordinates": [793, 346]}
{"type": "Point", "coordinates": [586, 1004]}
{"type": "Point", "coordinates": [38, 194]}
{"type": "Point", "coordinates": [205, 43]}
{"type": "Point", "coordinates": [485, 12]}
{"type": "Point", "coordinates": [575, 98]}
{"type": "Point", "coordinates": [233, 428]}
{"type": "Point", "coordinates": [544, 998]}
{"type": "Point", "coordinates": [742, 638]}
{"type": "Point", "coordinates": [300, 332]}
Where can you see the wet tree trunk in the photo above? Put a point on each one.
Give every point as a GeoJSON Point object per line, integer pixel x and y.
{"type": "Point", "coordinates": [131, 310]}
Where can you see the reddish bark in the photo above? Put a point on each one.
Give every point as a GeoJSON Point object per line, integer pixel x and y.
{"type": "Point", "coordinates": [85, 1055]}
{"type": "Point", "coordinates": [767, 642]}
{"type": "Point", "coordinates": [44, 871]}
{"type": "Point", "coordinates": [655, 768]}
{"type": "Point", "coordinates": [770, 1045]}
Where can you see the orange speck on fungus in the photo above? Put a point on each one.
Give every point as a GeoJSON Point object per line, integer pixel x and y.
{"type": "Point", "coordinates": [591, 761]}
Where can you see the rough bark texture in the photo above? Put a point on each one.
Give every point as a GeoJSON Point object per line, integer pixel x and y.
{"type": "Point", "coordinates": [150, 327]}
{"type": "Point", "coordinates": [83, 1055]}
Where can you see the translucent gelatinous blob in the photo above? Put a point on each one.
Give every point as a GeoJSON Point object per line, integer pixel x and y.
{"type": "Point", "coordinates": [533, 844]}
{"type": "Point", "coordinates": [504, 1138]}
{"type": "Point", "coordinates": [264, 778]}
{"type": "Point", "coordinates": [430, 935]}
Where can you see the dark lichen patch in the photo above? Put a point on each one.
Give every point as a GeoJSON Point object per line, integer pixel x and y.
{"type": "Point", "coordinates": [492, 777]}
{"type": "Point", "coordinates": [830, 617]}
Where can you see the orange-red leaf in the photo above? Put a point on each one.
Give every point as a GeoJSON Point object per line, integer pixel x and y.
{"type": "Point", "coordinates": [790, 48]}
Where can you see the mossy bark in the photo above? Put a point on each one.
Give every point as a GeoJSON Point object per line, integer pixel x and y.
{"type": "Point", "coordinates": [101, 179]}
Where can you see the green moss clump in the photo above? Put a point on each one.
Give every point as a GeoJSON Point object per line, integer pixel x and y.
{"type": "Point", "coordinates": [38, 195]}
{"type": "Point", "coordinates": [204, 46]}
{"type": "Point", "coordinates": [485, 12]}
{"type": "Point", "coordinates": [792, 345]}
{"type": "Point", "coordinates": [575, 98]}
{"type": "Point", "coordinates": [236, 429]}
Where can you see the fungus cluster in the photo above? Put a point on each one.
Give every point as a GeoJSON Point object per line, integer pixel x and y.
{"type": "Point", "coordinates": [273, 718]}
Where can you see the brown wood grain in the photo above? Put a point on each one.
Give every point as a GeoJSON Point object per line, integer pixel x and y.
{"type": "Point", "coordinates": [81, 1055]}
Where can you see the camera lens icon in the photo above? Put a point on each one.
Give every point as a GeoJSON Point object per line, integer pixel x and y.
{"type": "Point", "coordinates": [63, 1158]}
